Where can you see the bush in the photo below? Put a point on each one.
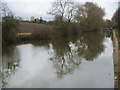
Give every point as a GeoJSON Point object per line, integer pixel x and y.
{"type": "Point", "coordinates": [64, 29]}
{"type": "Point", "coordinates": [9, 29]}
{"type": "Point", "coordinates": [42, 34]}
{"type": "Point", "coordinates": [67, 29]}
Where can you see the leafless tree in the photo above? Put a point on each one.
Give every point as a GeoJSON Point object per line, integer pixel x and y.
{"type": "Point", "coordinates": [71, 10]}
{"type": "Point", "coordinates": [63, 9]}
{"type": "Point", "coordinates": [4, 10]}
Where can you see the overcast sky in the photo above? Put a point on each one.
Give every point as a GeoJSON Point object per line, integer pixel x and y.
{"type": "Point", "coordinates": [39, 8]}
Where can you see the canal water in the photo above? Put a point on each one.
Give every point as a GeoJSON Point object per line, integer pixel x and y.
{"type": "Point", "coordinates": [84, 61]}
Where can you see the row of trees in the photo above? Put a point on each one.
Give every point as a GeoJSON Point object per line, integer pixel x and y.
{"type": "Point", "coordinates": [116, 18]}
{"type": "Point", "coordinates": [115, 21]}
{"type": "Point", "coordinates": [89, 15]}
{"type": "Point", "coordinates": [71, 18]}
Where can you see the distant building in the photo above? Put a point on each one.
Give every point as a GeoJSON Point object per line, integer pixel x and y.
{"type": "Point", "coordinates": [32, 19]}
{"type": "Point", "coordinates": [37, 20]}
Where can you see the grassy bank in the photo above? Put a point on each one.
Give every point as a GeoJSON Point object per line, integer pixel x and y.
{"type": "Point", "coordinates": [26, 27]}
{"type": "Point", "coordinates": [33, 31]}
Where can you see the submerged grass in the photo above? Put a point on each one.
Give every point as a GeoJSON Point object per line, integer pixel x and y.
{"type": "Point", "coordinates": [20, 34]}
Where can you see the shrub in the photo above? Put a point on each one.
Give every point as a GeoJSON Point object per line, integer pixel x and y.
{"type": "Point", "coordinates": [9, 29]}
{"type": "Point", "coordinates": [42, 34]}
{"type": "Point", "coordinates": [67, 29]}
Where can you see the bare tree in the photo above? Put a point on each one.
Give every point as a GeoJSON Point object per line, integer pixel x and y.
{"type": "Point", "coordinates": [58, 8]}
{"type": "Point", "coordinates": [62, 9]}
{"type": "Point", "coordinates": [4, 10]}
{"type": "Point", "coordinates": [71, 10]}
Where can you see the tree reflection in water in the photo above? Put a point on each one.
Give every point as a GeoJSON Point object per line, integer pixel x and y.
{"type": "Point", "coordinates": [92, 45]}
{"type": "Point", "coordinates": [67, 62]}
{"type": "Point", "coordinates": [67, 54]}
{"type": "Point", "coordinates": [10, 63]}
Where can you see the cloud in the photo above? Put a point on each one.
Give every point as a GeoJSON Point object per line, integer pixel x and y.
{"type": "Point", "coordinates": [29, 0]}
{"type": "Point", "coordinates": [39, 8]}
{"type": "Point", "coordinates": [110, 8]}
{"type": "Point", "coordinates": [28, 9]}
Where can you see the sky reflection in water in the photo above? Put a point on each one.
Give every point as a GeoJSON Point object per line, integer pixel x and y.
{"type": "Point", "coordinates": [85, 62]}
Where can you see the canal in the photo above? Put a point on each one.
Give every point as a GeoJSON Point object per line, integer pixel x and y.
{"type": "Point", "coordinates": [84, 61]}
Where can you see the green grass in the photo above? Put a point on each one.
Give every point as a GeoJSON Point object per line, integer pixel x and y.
{"type": "Point", "coordinates": [22, 34]}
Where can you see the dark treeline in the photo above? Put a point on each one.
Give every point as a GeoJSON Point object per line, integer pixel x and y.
{"type": "Point", "coordinates": [116, 19]}
{"type": "Point", "coordinates": [116, 22]}
{"type": "Point", "coordinates": [70, 18]}
{"type": "Point", "coordinates": [9, 25]}
{"type": "Point", "coordinates": [9, 29]}
{"type": "Point", "coordinates": [88, 16]}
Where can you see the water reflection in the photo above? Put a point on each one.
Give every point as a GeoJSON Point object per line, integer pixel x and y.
{"type": "Point", "coordinates": [11, 62]}
{"type": "Point", "coordinates": [68, 54]}
{"type": "Point", "coordinates": [64, 59]}
{"type": "Point", "coordinates": [61, 57]}
{"type": "Point", "coordinates": [92, 45]}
